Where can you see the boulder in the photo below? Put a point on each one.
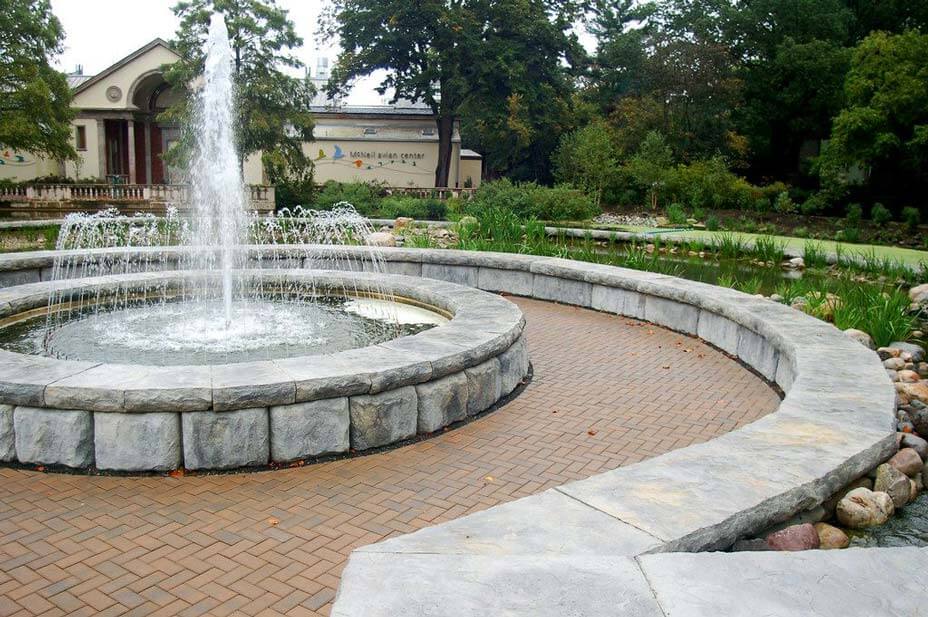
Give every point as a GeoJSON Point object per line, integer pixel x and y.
{"type": "Point", "coordinates": [313, 428]}
{"type": "Point", "coordinates": [383, 418]}
{"type": "Point", "coordinates": [894, 364]}
{"type": "Point", "coordinates": [225, 439]}
{"type": "Point", "coordinates": [925, 475]}
{"type": "Point", "coordinates": [832, 502]}
{"type": "Point", "coordinates": [885, 353]}
{"type": "Point", "coordinates": [441, 402]}
{"type": "Point", "coordinates": [908, 376]}
{"type": "Point", "coordinates": [916, 391]}
{"type": "Point", "coordinates": [893, 375]}
{"type": "Point", "coordinates": [913, 490]}
{"type": "Point", "coordinates": [137, 441]}
{"type": "Point", "coordinates": [922, 369]}
{"type": "Point", "coordinates": [401, 223]}
{"type": "Point", "coordinates": [861, 337]}
{"type": "Point", "coordinates": [919, 294]}
{"type": "Point", "coordinates": [915, 443]}
{"type": "Point", "coordinates": [53, 436]}
{"type": "Point", "coordinates": [916, 353]}
{"type": "Point", "coordinates": [919, 418]}
{"type": "Point", "coordinates": [796, 263]}
{"type": "Point", "coordinates": [907, 461]}
{"type": "Point", "coordinates": [830, 537]}
{"type": "Point", "coordinates": [7, 441]}
{"type": "Point", "coordinates": [862, 508]}
{"type": "Point", "coordinates": [893, 482]}
{"type": "Point", "coordinates": [484, 384]}
{"type": "Point", "coordinates": [794, 538]}
{"type": "Point", "coordinates": [381, 238]}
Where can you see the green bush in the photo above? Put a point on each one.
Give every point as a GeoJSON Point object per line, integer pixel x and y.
{"type": "Point", "coordinates": [412, 207]}
{"type": "Point", "coordinates": [814, 204]}
{"type": "Point", "coordinates": [784, 204]}
{"type": "Point", "coordinates": [912, 217]}
{"type": "Point", "coordinates": [854, 215]}
{"type": "Point", "coordinates": [529, 200]}
{"type": "Point", "coordinates": [713, 223]}
{"type": "Point", "coordinates": [880, 214]}
{"type": "Point", "coordinates": [676, 214]}
{"type": "Point", "coordinates": [365, 197]}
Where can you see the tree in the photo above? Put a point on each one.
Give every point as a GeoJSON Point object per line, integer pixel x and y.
{"type": "Point", "coordinates": [451, 54]}
{"type": "Point", "coordinates": [587, 158]}
{"type": "Point", "coordinates": [273, 107]}
{"type": "Point", "coordinates": [884, 124]}
{"type": "Point", "coordinates": [652, 165]}
{"type": "Point", "coordinates": [35, 106]}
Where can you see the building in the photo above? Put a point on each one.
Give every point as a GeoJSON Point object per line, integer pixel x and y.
{"type": "Point", "coordinates": [120, 139]}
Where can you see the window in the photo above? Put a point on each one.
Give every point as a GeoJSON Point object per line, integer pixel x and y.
{"type": "Point", "coordinates": [81, 138]}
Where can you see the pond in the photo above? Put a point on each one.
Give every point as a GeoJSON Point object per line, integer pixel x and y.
{"type": "Point", "coordinates": [907, 527]}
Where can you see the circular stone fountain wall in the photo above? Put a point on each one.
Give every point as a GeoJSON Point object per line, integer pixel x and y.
{"type": "Point", "coordinates": [134, 417]}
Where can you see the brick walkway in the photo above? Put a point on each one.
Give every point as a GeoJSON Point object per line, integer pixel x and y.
{"type": "Point", "coordinates": [607, 392]}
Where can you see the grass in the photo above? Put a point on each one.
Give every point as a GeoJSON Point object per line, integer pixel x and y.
{"type": "Point", "coordinates": [768, 248]}
{"type": "Point", "coordinates": [884, 315]}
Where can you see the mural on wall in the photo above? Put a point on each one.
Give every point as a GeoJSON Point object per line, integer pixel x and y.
{"type": "Point", "coordinates": [16, 159]}
{"type": "Point", "coordinates": [400, 162]}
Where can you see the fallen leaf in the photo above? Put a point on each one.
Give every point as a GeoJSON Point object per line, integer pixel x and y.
{"type": "Point", "coordinates": [40, 468]}
{"type": "Point", "coordinates": [488, 478]}
{"type": "Point", "coordinates": [273, 522]}
{"type": "Point", "coordinates": [591, 432]}
{"type": "Point", "coordinates": [177, 473]}
{"type": "Point", "coordinates": [666, 366]}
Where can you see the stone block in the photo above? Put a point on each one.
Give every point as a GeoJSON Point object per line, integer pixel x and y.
{"type": "Point", "coordinates": [757, 353]}
{"type": "Point", "coordinates": [137, 441]}
{"type": "Point", "coordinates": [484, 384]}
{"type": "Point", "coordinates": [383, 418]}
{"type": "Point", "coordinates": [7, 438]}
{"type": "Point", "coordinates": [309, 429]}
{"type": "Point", "coordinates": [618, 301]}
{"type": "Point", "coordinates": [225, 439]}
{"type": "Point", "coordinates": [53, 436]}
{"type": "Point", "coordinates": [441, 402]}
{"type": "Point", "coordinates": [462, 275]}
{"type": "Point", "coordinates": [719, 331]}
{"type": "Point", "coordinates": [565, 291]}
{"type": "Point", "coordinates": [513, 366]}
{"type": "Point", "coordinates": [671, 314]}
{"type": "Point", "coordinates": [517, 282]}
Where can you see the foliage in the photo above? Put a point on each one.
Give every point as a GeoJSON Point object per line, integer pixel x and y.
{"type": "Point", "coordinates": [35, 106]}
{"type": "Point", "coordinates": [713, 223]}
{"type": "Point", "coordinates": [412, 207]}
{"type": "Point", "coordinates": [767, 248]}
{"type": "Point", "coordinates": [529, 200]}
{"type": "Point", "coordinates": [884, 315]}
{"type": "Point", "coordinates": [587, 158]}
{"type": "Point", "coordinates": [880, 214]}
{"type": "Point", "coordinates": [675, 214]}
{"type": "Point", "coordinates": [784, 204]}
{"type": "Point", "coordinates": [365, 197]}
{"type": "Point", "coordinates": [912, 217]}
{"type": "Point", "coordinates": [273, 107]}
{"type": "Point", "coordinates": [651, 167]}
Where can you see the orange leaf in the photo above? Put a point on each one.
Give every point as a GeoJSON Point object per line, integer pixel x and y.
{"type": "Point", "coordinates": [177, 473]}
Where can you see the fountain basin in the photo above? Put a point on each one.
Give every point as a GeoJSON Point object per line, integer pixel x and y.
{"type": "Point", "coordinates": [134, 417]}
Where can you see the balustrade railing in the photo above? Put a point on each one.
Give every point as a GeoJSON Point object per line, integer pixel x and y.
{"type": "Point", "coordinates": [261, 197]}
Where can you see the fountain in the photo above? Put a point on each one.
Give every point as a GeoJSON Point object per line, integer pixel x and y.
{"type": "Point", "coordinates": [215, 338]}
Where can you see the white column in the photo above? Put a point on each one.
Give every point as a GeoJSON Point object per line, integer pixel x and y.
{"type": "Point", "coordinates": [131, 146]}
{"type": "Point", "coordinates": [147, 151]}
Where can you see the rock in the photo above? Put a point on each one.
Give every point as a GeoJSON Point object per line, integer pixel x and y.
{"type": "Point", "coordinates": [916, 443]}
{"type": "Point", "coordinates": [922, 369]}
{"type": "Point", "coordinates": [862, 508]}
{"type": "Point", "coordinates": [484, 384]}
{"type": "Point", "coordinates": [401, 223]}
{"type": "Point", "coordinates": [750, 544]}
{"type": "Point", "coordinates": [795, 538]}
{"type": "Point", "coordinates": [383, 418]}
{"type": "Point", "coordinates": [776, 298]}
{"type": "Point", "coordinates": [832, 502]}
{"type": "Point", "coordinates": [893, 482]}
{"type": "Point", "coordinates": [53, 436]}
{"type": "Point", "coordinates": [7, 440]}
{"type": "Point", "coordinates": [925, 475]}
{"type": "Point", "coordinates": [919, 483]}
{"type": "Point", "coordinates": [137, 441]}
{"type": "Point", "coordinates": [861, 337]}
{"type": "Point", "coordinates": [305, 430]}
{"type": "Point", "coordinates": [830, 537]}
{"type": "Point", "coordinates": [799, 303]}
{"type": "Point", "coordinates": [919, 419]}
{"type": "Point", "coordinates": [916, 352]}
{"type": "Point", "coordinates": [907, 461]}
{"type": "Point", "coordinates": [381, 238]}
{"type": "Point", "coordinates": [913, 490]}
{"type": "Point", "coordinates": [919, 294]}
{"type": "Point", "coordinates": [886, 353]}
{"type": "Point", "coordinates": [894, 364]}
{"type": "Point", "coordinates": [513, 366]}
{"type": "Point", "coordinates": [908, 376]}
{"type": "Point", "coordinates": [796, 263]}
{"type": "Point", "coordinates": [807, 516]}
{"type": "Point", "coordinates": [893, 375]}
{"type": "Point", "coordinates": [225, 439]}
{"type": "Point", "coordinates": [916, 391]}
{"type": "Point", "coordinates": [441, 402]}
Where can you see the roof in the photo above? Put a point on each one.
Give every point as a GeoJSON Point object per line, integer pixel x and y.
{"type": "Point", "coordinates": [372, 110]}
{"type": "Point", "coordinates": [76, 80]}
{"type": "Point", "coordinates": [159, 42]}
{"type": "Point", "coordinates": [470, 154]}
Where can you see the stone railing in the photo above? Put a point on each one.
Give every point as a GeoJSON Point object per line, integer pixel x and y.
{"type": "Point", "coordinates": [154, 197]}
{"type": "Point", "coordinates": [433, 193]}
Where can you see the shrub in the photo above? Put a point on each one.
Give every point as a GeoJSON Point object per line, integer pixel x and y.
{"type": "Point", "coordinates": [676, 215]}
{"type": "Point", "coordinates": [784, 204]}
{"type": "Point", "coordinates": [712, 223]}
{"type": "Point", "coordinates": [529, 200]}
{"type": "Point", "coordinates": [801, 232]}
{"type": "Point", "coordinates": [587, 158]}
{"type": "Point", "coordinates": [880, 214]}
{"type": "Point", "coordinates": [814, 204]}
{"type": "Point", "coordinates": [365, 197]}
{"type": "Point", "coordinates": [413, 207]}
{"type": "Point", "coordinates": [883, 315]}
{"type": "Point", "coordinates": [912, 218]}
{"type": "Point", "coordinates": [854, 214]}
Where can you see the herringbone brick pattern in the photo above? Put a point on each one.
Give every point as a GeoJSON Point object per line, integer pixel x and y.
{"type": "Point", "coordinates": [607, 392]}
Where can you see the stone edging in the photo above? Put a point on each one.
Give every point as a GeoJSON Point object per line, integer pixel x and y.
{"type": "Point", "coordinates": [138, 417]}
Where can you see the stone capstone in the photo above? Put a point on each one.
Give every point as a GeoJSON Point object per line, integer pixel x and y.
{"type": "Point", "coordinates": [225, 439]}
{"type": "Point", "coordinates": [862, 508]}
{"type": "Point", "coordinates": [441, 402]}
{"type": "Point", "coordinates": [830, 537]}
{"type": "Point", "coordinates": [893, 482]}
{"type": "Point", "coordinates": [137, 441]}
{"type": "Point", "coordinates": [794, 538]}
{"type": "Point", "coordinates": [382, 418]}
{"type": "Point", "coordinates": [53, 436]}
{"type": "Point", "coordinates": [483, 386]}
{"type": "Point", "coordinates": [305, 430]}
{"type": "Point", "coordinates": [907, 461]}
{"type": "Point", "coordinates": [7, 438]}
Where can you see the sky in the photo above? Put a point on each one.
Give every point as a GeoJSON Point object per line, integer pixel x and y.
{"type": "Point", "coordinates": [100, 32]}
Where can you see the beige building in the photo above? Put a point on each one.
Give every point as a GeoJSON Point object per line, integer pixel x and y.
{"type": "Point", "coordinates": [119, 138]}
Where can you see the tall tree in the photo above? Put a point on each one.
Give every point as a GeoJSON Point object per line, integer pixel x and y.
{"type": "Point", "coordinates": [35, 105]}
{"type": "Point", "coordinates": [273, 106]}
{"type": "Point", "coordinates": [449, 54]}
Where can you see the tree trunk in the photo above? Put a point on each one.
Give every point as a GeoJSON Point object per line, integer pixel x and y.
{"type": "Point", "coordinates": [445, 133]}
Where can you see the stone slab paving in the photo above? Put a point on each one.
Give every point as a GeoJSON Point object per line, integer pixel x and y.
{"type": "Point", "coordinates": [608, 391]}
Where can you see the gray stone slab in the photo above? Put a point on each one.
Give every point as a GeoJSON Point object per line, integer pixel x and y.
{"type": "Point", "coordinates": [386, 585]}
{"type": "Point", "coordinates": [251, 384]}
{"type": "Point", "coordinates": [7, 437]}
{"type": "Point", "coordinates": [462, 275]}
{"type": "Point", "coordinates": [871, 582]}
{"type": "Point", "coordinates": [304, 430]}
{"type": "Point", "coordinates": [484, 384]}
{"type": "Point", "coordinates": [575, 293]}
{"type": "Point", "coordinates": [719, 331]}
{"type": "Point", "coordinates": [513, 366]}
{"type": "Point", "coordinates": [441, 402]}
{"type": "Point", "coordinates": [406, 268]}
{"type": "Point", "coordinates": [516, 282]}
{"type": "Point", "coordinates": [23, 378]}
{"type": "Point", "coordinates": [671, 314]}
{"type": "Point", "coordinates": [383, 418]}
{"type": "Point", "coordinates": [618, 301]}
{"type": "Point", "coordinates": [137, 441]}
{"type": "Point", "coordinates": [757, 353]}
{"type": "Point", "coordinates": [225, 439]}
{"type": "Point", "coordinates": [53, 436]}
{"type": "Point", "coordinates": [19, 277]}
{"type": "Point", "coordinates": [549, 523]}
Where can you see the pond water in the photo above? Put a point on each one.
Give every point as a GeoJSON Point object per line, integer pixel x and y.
{"type": "Point", "coordinates": [907, 527]}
